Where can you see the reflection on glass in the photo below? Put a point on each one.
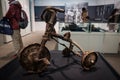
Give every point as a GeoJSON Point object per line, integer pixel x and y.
{"type": "Point", "coordinates": [90, 27]}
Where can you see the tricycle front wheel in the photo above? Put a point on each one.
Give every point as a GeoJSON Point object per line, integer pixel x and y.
{"type": "Point", "coordinates": [32, 59]}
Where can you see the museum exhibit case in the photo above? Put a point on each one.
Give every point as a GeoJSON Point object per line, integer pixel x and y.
{"type": "Point", "coordinates": [93, 36]}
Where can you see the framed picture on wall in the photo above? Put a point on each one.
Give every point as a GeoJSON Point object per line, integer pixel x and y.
{"type": "Point", "coordinates": [73, 12]}
{"type": "Point", "coordinates": [100, 13]}
{"type": "Point", "coordinates": [39, 10]}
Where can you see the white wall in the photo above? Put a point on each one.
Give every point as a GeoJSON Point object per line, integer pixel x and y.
{"type": "Point", "coordinates": [101, 2]}
{"type": "Point", "coordinates": [117, 4]}
{"type": "Point", "coordinates": [25, 6]}
{"type": "Point", "coordinates": [61, 2]}
{"type": "Point", "coordinates": [41, 26]}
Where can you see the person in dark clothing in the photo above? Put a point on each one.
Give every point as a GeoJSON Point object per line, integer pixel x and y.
{"type": "Point", "coordinates": [13, 14]}
{"type": "Point", "coordinates": [84, 15]}
{"type": "Point", "coordinates": [112, 20]}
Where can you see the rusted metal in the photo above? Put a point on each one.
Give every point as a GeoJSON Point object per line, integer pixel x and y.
{"type": "Point", "coordinates": [33, 60]}
{"type": "Point", "coordinates": [36, 57]}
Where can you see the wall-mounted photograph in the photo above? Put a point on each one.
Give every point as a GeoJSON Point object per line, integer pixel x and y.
{"type": "Point", "coordinates": [39, 10]}
{"type": "Point", "coordinates": [100, 13]}
{"type": "Point", "coordinates": [73, 12]}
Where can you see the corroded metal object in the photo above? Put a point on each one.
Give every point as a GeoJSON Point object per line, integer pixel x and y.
{"type": "Point", "coordinates": [33, 60]}
{"type": "Point", "coordinates": [66, 52]}
{"type": "Point", "coordinates": [88, 60]}
{"type": "Point", "coordinates": [36, 57]}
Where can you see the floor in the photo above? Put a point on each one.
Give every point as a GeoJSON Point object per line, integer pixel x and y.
{"type": "Point", "coordinates": [7, 50]}
{"type": "Point", "coordinates": [114, 60]}
{"type": "Point", "coordinates": [35, 37]}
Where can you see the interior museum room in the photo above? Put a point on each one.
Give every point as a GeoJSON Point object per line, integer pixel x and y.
{"type": "Point", "coordinates": [59, 39]}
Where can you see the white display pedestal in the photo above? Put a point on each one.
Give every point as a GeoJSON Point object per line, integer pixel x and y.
{"type": "Point", "coordinates": [104, 42]}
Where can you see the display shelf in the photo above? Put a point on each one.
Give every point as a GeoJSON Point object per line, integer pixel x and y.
{"type": "Point", "coordinates": [105, 42]}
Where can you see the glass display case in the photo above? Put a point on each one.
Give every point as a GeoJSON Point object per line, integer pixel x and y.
{"type": "Point", "coordinates": [90, 27]}
{"type": "Point", "coordinates": [93, 36]}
